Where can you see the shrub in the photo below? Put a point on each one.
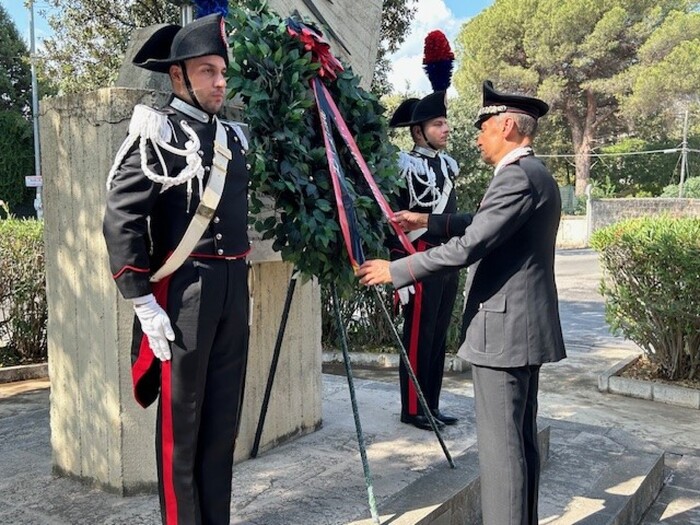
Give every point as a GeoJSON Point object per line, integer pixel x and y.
{"type": "Point", "coordinates": [691, 189]}
{"type": "Point", "coordinates": [22, 291]}
{"type": "Point", "coordinates": [651, 287]}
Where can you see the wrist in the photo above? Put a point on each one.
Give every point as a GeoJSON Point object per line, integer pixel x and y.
{"type": "Point", "coordinates": [143, 299]}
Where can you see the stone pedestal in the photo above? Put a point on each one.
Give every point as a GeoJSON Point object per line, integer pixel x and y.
{"type": "Point", "coordinates": [98, 432]}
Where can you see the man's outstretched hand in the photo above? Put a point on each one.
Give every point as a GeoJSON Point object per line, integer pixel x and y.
{"type": "Point", "coordinates": [410, 220]}
{"type": "Point", "coordinates": [375, 271]}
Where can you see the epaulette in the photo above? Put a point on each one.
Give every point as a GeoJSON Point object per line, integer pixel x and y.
{"type": "Point", "coordinates": [411, 164]}
{"type": "Point", "coordinates": [240, 129]}
{"type": "Point", "coordinates": [151, 123]}
{"type": "Point", "coordinates": [452, 163]}
{"type": "Point", "coordinates": [153, 126]}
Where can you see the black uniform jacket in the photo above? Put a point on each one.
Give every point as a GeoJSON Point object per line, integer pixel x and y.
{"type": "Point", "coordinates": [142, 226]}
{"type": "Point", "coordinates": [511, 316]}
{"type": "Point", "coordinates": [442, 226]}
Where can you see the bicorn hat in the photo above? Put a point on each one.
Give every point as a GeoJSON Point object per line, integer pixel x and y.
{"type": "Point", "coordinates": [172, 44]}
{"type": "Point", "coordinates": [402, 115]}
{"type": "Point", "coordinates": [495, 102]}
{"type": "Point", "coordinates": [430, 107]}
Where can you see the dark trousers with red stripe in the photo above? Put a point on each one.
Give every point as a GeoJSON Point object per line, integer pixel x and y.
{"type": "Point", "coordinates": [426, 320]}
{"type": "Point", "coordinates": [202, 391]}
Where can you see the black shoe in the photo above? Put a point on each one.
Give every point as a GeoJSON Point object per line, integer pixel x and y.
{"type": "Point", "coordinates": [421, 422]}
{"type": "Point", "coordinates": [444, 418]}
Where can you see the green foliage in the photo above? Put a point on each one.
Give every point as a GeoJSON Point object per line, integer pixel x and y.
{"type": "Point", "coordinates": [22, 292]}
{"type": "Point", "coordinates": [366, 326]}
{"type": "Point", "coordinates": [652, 288]}
{"type": "Point", "coordinates": [474, 175]}
{"type": "Point", "coordinates": [90, 37]}
{"type": "Point", "coordinates": [691, 189]}
{"type": "Point", "coordinates": [271, 71]}
{"type": "Point", "coordinates": [636, 175]}
{"type": "Point", "coordinates": [15, 75]}
{"type": "Point", "coordinates": [16, 158]}
{"type": "Point", "coordinates": [396, 21]}
{"type": "Point", "coordinates": [601, 64]}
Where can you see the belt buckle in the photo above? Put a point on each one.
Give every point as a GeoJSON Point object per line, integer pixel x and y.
{"type": "Point", "coordinates": [205, 211]}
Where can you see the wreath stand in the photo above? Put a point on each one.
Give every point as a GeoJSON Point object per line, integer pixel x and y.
{"type": "Point", "coordinates": [351, 385]}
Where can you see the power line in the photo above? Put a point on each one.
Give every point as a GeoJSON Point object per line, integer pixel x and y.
{"type": "Point", "coordinates": [621, 154]}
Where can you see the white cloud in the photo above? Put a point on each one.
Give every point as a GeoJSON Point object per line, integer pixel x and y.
{"type": "Point", "coordinates": [407, 62]}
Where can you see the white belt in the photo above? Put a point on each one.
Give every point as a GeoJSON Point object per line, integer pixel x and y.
{"type": "Point", "coordinates": [206, 209]}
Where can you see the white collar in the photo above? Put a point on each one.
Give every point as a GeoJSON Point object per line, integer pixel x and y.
{"type": "Point", "coordinates": [191, 111]}
{"type": "Point", "coordinates": [511, 157]}
{"type": "Point", "coordinates": [428, 152]}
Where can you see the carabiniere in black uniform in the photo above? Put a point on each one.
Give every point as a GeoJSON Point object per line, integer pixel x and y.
{"type": "Point", "coordinates": [429, 175]}
{"type": "Point", "coordinates": [199, 390]}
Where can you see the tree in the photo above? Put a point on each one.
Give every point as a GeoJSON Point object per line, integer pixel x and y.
{"type": "Point", "coordinates": [396, 20]}
{"type": "Point", "coordinates": [592, 60]}
{"type": "Point", "coordinates": [91, 36]}
{"type": "Point", "coordinates": [16, 147]}
{"type": "Point", "coordinates": [15, 75]}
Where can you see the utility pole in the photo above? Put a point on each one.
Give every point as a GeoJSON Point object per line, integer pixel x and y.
{"type": "Point", "coordinates": [38, 206]}
{"type": "Point", "coordinates": [186, 14]}
{"type": "Point", "coordinates": [684, 155]}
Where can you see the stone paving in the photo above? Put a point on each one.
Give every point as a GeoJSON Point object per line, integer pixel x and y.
{"type": "Point", "coordinates": [282, 487]}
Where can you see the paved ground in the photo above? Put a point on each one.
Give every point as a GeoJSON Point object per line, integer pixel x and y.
{"type": "Point", "coordinates": [569, 400]}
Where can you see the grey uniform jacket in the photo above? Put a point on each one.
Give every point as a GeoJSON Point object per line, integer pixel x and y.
{"type": "Point", "coordinates": [511, 316]}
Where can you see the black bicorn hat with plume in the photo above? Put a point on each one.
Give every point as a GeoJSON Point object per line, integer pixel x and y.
{"type": "Point", "coordinates": [438, 60]}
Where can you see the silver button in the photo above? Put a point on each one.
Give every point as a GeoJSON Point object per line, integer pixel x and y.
{"type": "Point", "coordinates": [235, 139]}
{"type": "Point", "coordinates": [201, 153]}
{"type": "Point", "coordinates": [217, 220]}
{"type": "Point", "coordinates": [220, 251]}
{"type": "Point", "coordinates": [247, 166]}
{"type": "Point", "coordinates": [218, 236]}
{"type": "Point", "coordinates": [207, 168]}
{"type": "Point", "coordinates": [242, 152]}
{"type": "Point", "coordinates": [481, 305]}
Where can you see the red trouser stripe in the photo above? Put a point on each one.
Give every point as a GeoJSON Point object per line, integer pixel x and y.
{"type": "Point", "coordinates": [413, 348]}
{"type": "Point", "coordinates": [168, 443]}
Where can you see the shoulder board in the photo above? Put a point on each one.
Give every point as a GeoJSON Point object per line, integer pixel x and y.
{"type": "Point", "coordinates": [411, 164]}
{"type": "Point", "coordinates": [240, 129]}
{"type": "Point", "coordinates": [452, 163]}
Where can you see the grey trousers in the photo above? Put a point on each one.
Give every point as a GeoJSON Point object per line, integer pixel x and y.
{"type": "Point", "coordinates": [509, 458]}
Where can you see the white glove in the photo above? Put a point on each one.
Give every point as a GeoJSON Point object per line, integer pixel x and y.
{"type": "Point", "coordinates": [155, 323]}
{"type": "Point", "coordinates": [405, 294]}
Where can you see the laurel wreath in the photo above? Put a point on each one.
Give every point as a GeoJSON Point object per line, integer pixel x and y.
{"type": "Point", "coordinates": [271, 72]}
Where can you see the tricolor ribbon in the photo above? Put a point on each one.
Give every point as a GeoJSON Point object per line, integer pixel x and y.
{"type": "Point", "coordinates": [329, 112]}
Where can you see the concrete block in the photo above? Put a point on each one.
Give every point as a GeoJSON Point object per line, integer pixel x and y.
{"type": "Point", "coordinates": [630, 387]}
{"type": "Point", "coordinates": [676, 395]}
{"type": "Point", "coordinates": [604, 378]}
{"type": "Point", "coordinates": [10, 374]}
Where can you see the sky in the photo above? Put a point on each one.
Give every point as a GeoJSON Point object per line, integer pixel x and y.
{"type": "Point", "coordinates": [446, 15]}
{"type": "Point", "coordinates": [407, 73]}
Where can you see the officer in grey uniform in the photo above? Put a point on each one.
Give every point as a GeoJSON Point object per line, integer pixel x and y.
{"type": "Point", "coordinates": [429, 175]}
{"type": "Point", "coordinates": [176, 232]}
{"type": "Point", "coordinates": [511, 316]}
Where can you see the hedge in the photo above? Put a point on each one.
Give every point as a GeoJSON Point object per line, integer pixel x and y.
{"type": "Point", "coordinates": [651, 286]}
{"type": "Point", "coordinates": [22, 292]}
